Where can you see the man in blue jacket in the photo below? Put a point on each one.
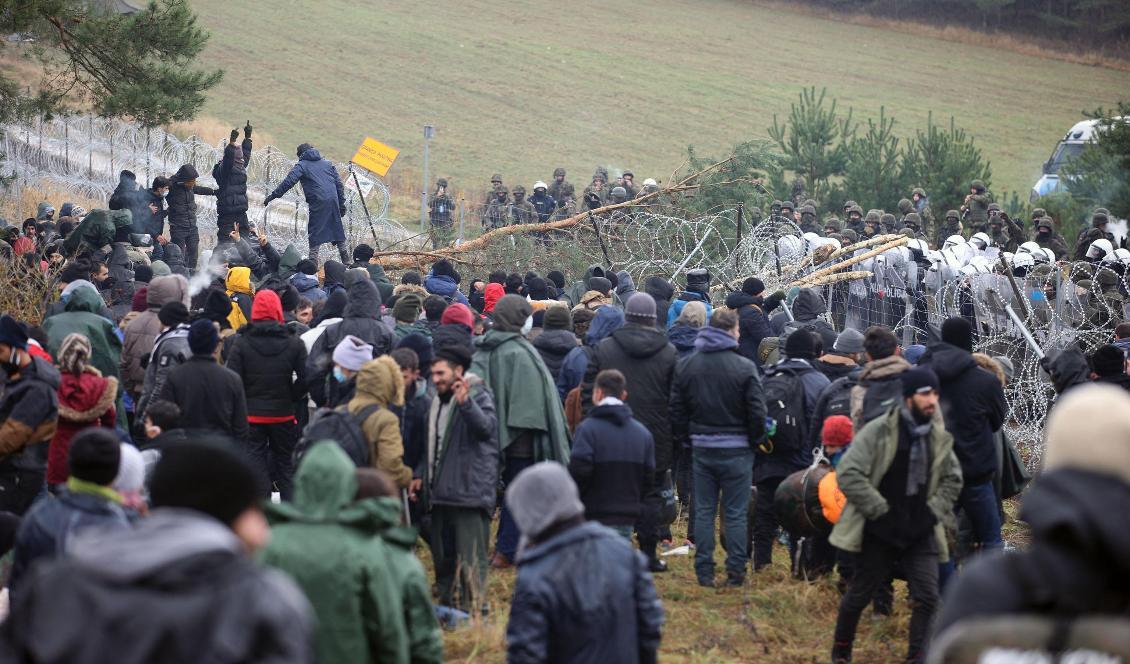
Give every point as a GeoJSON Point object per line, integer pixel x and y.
{"type": "Point", "coordinates": [325, 196]}
{"type": "Point", "coordinates": [582, 594]}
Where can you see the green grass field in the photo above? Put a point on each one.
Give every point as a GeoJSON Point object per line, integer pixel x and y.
{"type": "Point", "coordinates": [523, 87]}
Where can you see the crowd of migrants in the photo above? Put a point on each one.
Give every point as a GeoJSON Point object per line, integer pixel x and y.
{"type": "Point", "coordinates": [151, 416]}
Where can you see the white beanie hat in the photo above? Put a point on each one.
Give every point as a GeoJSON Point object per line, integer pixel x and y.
{"type": "Point", "coordinates": [352, 352]}
{"type": "Point", "coordinates": [1089, 429]}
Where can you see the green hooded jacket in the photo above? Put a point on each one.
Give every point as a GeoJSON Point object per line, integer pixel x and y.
{"type": "Point", "coordinates": [288, 262]}
{"type": "Point", "coordinates": [380, 279]}
{"type": "Point", "coordinates": [368, 591]}
{"type": "Point", "coordinates": [94, 232]}
{"type": "Point", "coordinates": [82, 316]}
{"type": "Point", "coordinates": [866, 462]}
{"type": "Point", "coordinates": [525, 396]}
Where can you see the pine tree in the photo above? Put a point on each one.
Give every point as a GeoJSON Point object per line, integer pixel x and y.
{"type": "Point", "coordinates": [943, 162]}
{"type": "Point", "coordinates": [872, 175]}
{"type": "Point", "coordinates": [1100, 175]}
{"type": "Point", "coordinates": [813, 142]}
{"type": "Point", "coordinates": [138, 66]}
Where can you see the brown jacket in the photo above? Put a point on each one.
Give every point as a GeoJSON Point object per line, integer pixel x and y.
{"type": "Point", "coordinates": [379, 382]}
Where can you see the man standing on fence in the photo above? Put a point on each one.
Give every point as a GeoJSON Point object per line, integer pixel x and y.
{"type": "Point", "coordinates": [325, 196]}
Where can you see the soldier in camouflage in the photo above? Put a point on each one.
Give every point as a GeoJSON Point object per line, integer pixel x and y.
{"type": "Point", "coordinates": [520, 211]}
{"type": "Point", "coordinates": [440, 210]}
{"type": "Point", "coordinates": [871, 223]}
{"type": "Point", "coordinates": [854, 219]}
{"type": "Point", "coordinates": [788, 211]}
{"type": "Point", "coordinates": [594, 195]}
{"type": "Point", "coordinates": [494, 213]}
{"type": "Point", "coordinates": [1047, 238]}
{"type": "Point", "coordinates": [495, 187]}
{"type": "Point", "coordinates": [913, 223]}
{"type": "Point", "coordinates": [888, 223]}
{"type": "Point", "coordinates": [976, 206]}
{"type": "Point", "coordinates": [1099, 219]}
{"type": "Point", "coordinates": [562, 191]}
{"type": "Point", "coordinates": [922, 207]}
{"type": "Point", "coordinates": [951, 226]}
{"type": "Point", "coordinates": [628, 182]}
{"type": "Point", "coordinates": [808, 220]}
{"type": "Point", "coordinates": [832, 226]}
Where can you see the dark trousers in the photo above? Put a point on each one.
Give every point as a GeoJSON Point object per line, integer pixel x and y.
{"type": "Point", "coordinates": [342, 250]}
{"type": "Point", "coordinates": [508, 535]}
{"type": "Point", "coordinates": [766, 526]}
{"type": "Point", "coordinates": [227, 223]}
{"type": "Point", "coordinates": [684, 480]}
{"type": "Point", "coordinates": [459, 539]}
{"type": "Point", "coordinates": [189, 242]}
{"type": "Point", "coordinates": [647, 525]}
{"type": "Point", "coordinates": [19, 488]}
{"type": "Point", "coordinates": [873, 567]}
{"type": "Point", "coordinates": [271, 450]}
{"type": "Point", "coordinates": [726, 475]}
{"type": "Point", "coordinates": [979, 502]}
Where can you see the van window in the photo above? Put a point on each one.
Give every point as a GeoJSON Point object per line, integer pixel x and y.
{"type": "Point", "coordinates": [1063, 153]}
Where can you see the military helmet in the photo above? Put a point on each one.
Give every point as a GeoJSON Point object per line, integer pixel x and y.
{"type": "Point", "coordinates": [994, 207]}
{"type": "Point", "coordinates": [776, 205]}
{"type": "Point", "coordinates": [1045, 222]}
{"type": "Point", "coordinates": [919, 191]}
{"type": "Point", "coordinates": [650, 182]}
{"type": "Point", "coordinates": [442, 182]}
{"type": "Point", "coordinates": [912, 219]}
{"type": "Point", "coordinates": [887, 219]}
{"type": "Point", "coordinates": [834, 224]}
{"type": "Point", "coordinates": [905, 206]}
{"type": "Point", "coordinates": [559, 171]}
{"type": "Point", "coordinates": [807, 209]}
{"type": "Point", "coordinates": [1039, 212]}
{"type": "Point", "coordinates": [518, 189]}
{"type": "Point", "coordinates": [1100, 217]}
{"type": "Point", "coordinates": [620, 191]}
{"type": "Point", "coordinates": [953, 214]}
{"type": "Point", "coordinates": [810, 202]}
{"type": "Point", "coordinates": [496, 178]}
{"type": "Point", "coordinates": [850, 235]}
{"type": "Point", "coordinates": [855, 208]}
{"type": "Point", "coordinates": [787, 205]}
{"type": "Point", "coordinates": [1106, 277]}
{"type": "Point", "coordinates": [978, 185]}
{"type": "Point", "coordinates": [628, 174]}
{"type": "Point", "coordinates": [849, 205]}
{"type": "Point", "coordinates": [873, 216]}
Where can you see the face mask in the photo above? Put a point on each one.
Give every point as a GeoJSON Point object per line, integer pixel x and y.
{"type": "Point", "coordinates": [339, 375]}
{"type": "Point", "coordinates": [10, 366]}
{"type": "Point", "coordinates": [528, 325]}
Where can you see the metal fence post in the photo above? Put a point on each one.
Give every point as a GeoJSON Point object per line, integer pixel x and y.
{"type": "Point", "coordinates": [462, 212]}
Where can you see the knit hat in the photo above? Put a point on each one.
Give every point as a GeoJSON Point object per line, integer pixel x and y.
{"type": "Point", "coordinates": [143, 273]}
{"type": "Point", "coordinates": [419, 343]}
{"type": "Point", "coordinates": [958, 332]}
{"type": "Point", "coordinates": [407, 307]}
{"type": "Point", "coordinates": [12, 333]}
{"type": "Point", "coordinates": [139, 301]}
{"type": "Point", "coordinates": [913, 353]}
{"type": "Point", "coordinates": [837, 431]}
{"type": "Point", "coordinates": [208, 477]}
{"type": "Point", "coordinates": [454, 354]}
{"type": "Point", "coordinates": [266, 306]}
{"type": "Point", "coordinates": [557, 278]}
{"type": "Point", "coordinates": [1108, 360]}
{"type": "Point", "coordinates": [849, 342]}
{"type": "Point", "coordinates": [1089, 429]}
{"type": "Point", "coordinates": [94, 456]}
{"type": "Point", "coordinates": [536, 288]}
{"type": "Point", "coordinates": [131, 470]}
{"type": "Point", "coordinates": [599, 284]}
{"type": "Point", "coordinates": [640, 309]}
{"type": "Point", "coordinates": [582, 318]}
{"type": "Point", "coordinates": [692, 315]}
{"type": "Point", "coordinates": [74, 353]}
{"type": "Point", "coordinates": [160, 269]}
{"type": "Point", "coordinates": [918, 379]}
{"type": "Point", "coordinates": [557, 318]}
{"type": "Point", "coordinates": [511, 312]}
{"type": "Point", "coordinates": [352, 352]}
{"type": "Point", "coordinates": [698, 280]}
{"type": "Point", "coordinates": [458, 313]}
{"type": "Point", "coordinates": [1006, 367]}
{"type": "Point", "coordinates": [173, 314]}
{"type": "Point", "coordinates": [753, 286]}
{"type": "Point", "coordinates": [203, 337]}
{"type": "Point", "coordinates": [801, 344]}
{"type": "Point", "coordinates": [543, 495]}
{"type": "Point", "coordinates": [217, 307]}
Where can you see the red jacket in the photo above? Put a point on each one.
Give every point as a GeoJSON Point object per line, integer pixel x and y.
{"type": "Point", "coordinates": [84, 400]}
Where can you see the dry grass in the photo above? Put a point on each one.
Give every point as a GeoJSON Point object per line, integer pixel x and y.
{"type": "Point", "coordinates": [773, 619]}
{"type": "Point", "coordinates": [1040, 47]}
{"type": "Point", "coordinates": [213, 130]}
{"type": "Point", "coordinates": [19, 204]}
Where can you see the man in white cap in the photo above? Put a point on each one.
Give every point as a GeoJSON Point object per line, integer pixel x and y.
{"type": "Point", "coordinates": [348, 357]}
{"type": "Point", "coordinates": [566, 567]}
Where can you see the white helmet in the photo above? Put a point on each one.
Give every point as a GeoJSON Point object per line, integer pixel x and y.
{"type": "Point", "coordinates": [981, 263]}
{"type": "Point", "coordinates": [790, 245]}
{"type": "Point", "coordinates": [953, 241]}
{"type": "Point", "coordinates": [834, 243]}
{"type": "Point", "coordinates": [650, 182]}
{"type": "Point", "coordinates": [920, 245]}
{"type": "Point", "coordinates": [539, 185]}
{"type": "Point", "coordinates": [811, 241]}
{"type": "Point", "coordinates": [980, 240]}
{"type": "Point", "coordinates": [1120, 255]}
{"type": "Point", "coordinates": [1023, 260]}
{"type": "Point", "coordinates": [934, 256]}
{"type": "Point", "coordinates": [1008, 256]}
{"type": "Point", "coordinates": [1045, 255]}
{"type": "Point", "coordinates": [1029, 247]}
{"type": "Point", "coordinates": [1099, 248]}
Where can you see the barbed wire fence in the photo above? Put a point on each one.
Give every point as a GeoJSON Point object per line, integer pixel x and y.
{"type": "Point", "coordinates": [84, 154]}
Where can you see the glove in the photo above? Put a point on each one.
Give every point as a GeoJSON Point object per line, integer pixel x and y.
{"type": "Point", "coordinates": [247, 129]}
{"type": "Point", "coordinates": [234, 135]}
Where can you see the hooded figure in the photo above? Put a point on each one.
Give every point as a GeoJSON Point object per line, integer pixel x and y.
{"type": "Point", "coordinates": [239, 290]}
{"type": "Point", "coordinates": [577, 289]}
{"type": "Point", "coordinates": [182, 211]}
{"type": "Point", "coordinates": [807, 309]}
{"type": "Point", "coordinates": [174, 260]}
{"type": "Point", "coordinates": [143, 330]}
{"type": "Point", "coordinates": [441, 281]}
{"type": "Point", "coordinates": [86, 399]}
{"type": "Point", "coordinates": [356, 581]}
{"type": "Point", "coordinates": [361, 318]}
{"type": "Point", "coordinates": [324, 194]}
{"type": "Point", "coordinates": [231, 185]}
{"type": "Point", "coordinates": [379, 383]}
{"type": "Point", "coordinates": [661, 291]}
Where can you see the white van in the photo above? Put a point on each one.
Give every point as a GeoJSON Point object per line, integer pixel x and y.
{"type": "Point", "coordinates": [1070, 147]}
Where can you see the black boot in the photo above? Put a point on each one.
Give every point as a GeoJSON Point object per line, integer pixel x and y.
{"type": "Point", "coordinates": [841, 653]}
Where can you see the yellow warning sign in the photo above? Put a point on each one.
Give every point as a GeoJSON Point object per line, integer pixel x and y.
{"type": "Point", "coordinates": [375, 157]}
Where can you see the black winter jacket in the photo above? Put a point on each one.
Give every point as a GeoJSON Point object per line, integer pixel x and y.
{"type": "Point", "coordinates": [661, 291]}
{"type": "Point", "coordinates": [643, 354]}
{"type": "Point", "coordinates": [807, 309]}
{"type": "Point", "coordinates": [834, 400]}
{"type": "Point", "coordinates": [231, 180]}
{"type": "Point", "coordinates": [182, 199]}
{"type": "Point", "coordinates": [210, 397]}
{"type": "Point", "coordinates": [1078, 562]}
{"type": "Point", "coordinates": [361, 319]}
{"type": "Point", "coordinates": [266, 356]}
{"type": "Point", "coordinates": [553, 346]}
{"type": "Point", "coordinates": [717, 391]}
{"type": "Point", "coordinates": [973, 406]}
{"type": "Point", "coordinates": [613, 463]}
{"type": "Point", "coordinates": [753, 322]}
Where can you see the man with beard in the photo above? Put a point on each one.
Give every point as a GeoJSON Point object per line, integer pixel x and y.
{"type": "Point", "coordinates": [900, 477]}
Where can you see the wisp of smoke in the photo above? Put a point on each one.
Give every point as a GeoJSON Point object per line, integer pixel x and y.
{"type": "Point", "coordinates": [205, 275]}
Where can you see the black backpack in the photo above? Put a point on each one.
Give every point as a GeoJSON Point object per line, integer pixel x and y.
{"type": "Point", "coordinates": [784, 402]}
{"type": "Point", "coordinates": [338, 425]}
